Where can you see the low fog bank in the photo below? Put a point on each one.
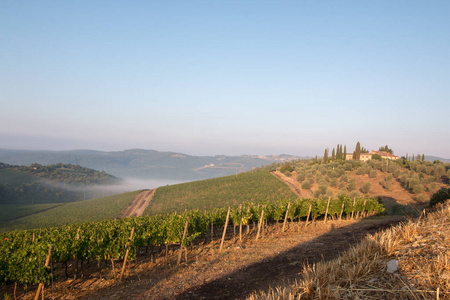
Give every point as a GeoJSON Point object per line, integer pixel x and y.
{"type": "Point", "coordinates": [134, 184]}
{"type": "Point", "coordinates": [99, 191]}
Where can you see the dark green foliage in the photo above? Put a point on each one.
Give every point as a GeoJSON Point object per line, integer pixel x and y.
{"type": "Point", "coordinates": [386, 149]}
{"type": "Point", "coordinates": [71, 174]}
{"type": "Point", "coordinates": [440, 196]}
{"type": "Point", "coordinates": [57, 183]}
{"type": "Point", "coordinates": [376, 156]}
{"type": "Point", "coordinates": [286, 168]}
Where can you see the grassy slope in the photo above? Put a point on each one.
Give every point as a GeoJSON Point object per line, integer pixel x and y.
{"type": "Point", "coordinates": [75, 212]}
{"type": "Point", "coordinates": [11, 211]}
{"type": "Point", "coordinates": [220, 192]}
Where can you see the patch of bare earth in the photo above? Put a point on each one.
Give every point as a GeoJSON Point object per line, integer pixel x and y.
{"type": "Point", "coordinates": [139, 204]}
{"type": "Point", "coordinates": [293, 184]}
{"type": "Point", "coordinates": [234, 273]}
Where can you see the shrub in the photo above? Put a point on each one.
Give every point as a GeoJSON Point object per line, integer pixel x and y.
{"type": "Point", "coordinates": [418, 188]}
{"type": "Point", "coordinates": [373, 173]}
{"type": "Point", "coordinates": [440, 196]}
{"type": "Point", "coordinates": [387, 184]}
{"type": "Point", "coordinates": [354, 194]}
{"type": "Point", "coordinates": [352, 185]}
{"type": "Point", "coordinates": [286, 168]}
{"type": "Point", "coordinates": [300, 176]}
{"type": "Point", "coordinates": [396, 173]}
{"type": "Point", "coordinates": [329, 194]}
{"type": "Point", "coordinates": [344, 178]}
{"type": "Point", "coordinates": [323, 188]}
{"type": "Point", "coordinates": [317, 194]}
{"type": "Point", "coordinates": [333, 182]}
{"type": "Point", "coordinates": [366, 187]}
{"type": "Point", "coordinates": [306, 185]}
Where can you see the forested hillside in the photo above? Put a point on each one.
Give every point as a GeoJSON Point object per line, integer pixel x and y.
{"type": "Point", "coordinates": [58, 183]}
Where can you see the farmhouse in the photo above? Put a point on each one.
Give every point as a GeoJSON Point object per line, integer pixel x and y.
{"type": "Point", "coordinates": [368, 156]}
{"type": "Point", "coordinates": [385, 155]}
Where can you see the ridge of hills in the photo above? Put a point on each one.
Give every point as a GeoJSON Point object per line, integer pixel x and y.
{"type": "Point", "coordinates": [146, 164]}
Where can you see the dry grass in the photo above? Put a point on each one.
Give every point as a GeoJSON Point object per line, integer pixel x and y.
{"type": "Point", "coordinates": [421, 248]}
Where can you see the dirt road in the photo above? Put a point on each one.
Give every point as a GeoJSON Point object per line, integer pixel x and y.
{"type": "Point", "coordinates": [294, 185]}
{"type": "Point", "coordinates": [139, 204]}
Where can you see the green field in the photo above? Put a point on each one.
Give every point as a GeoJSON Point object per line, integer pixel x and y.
{"type": "Point", "coordinates": [258, 186]}
{"type": "Point", "coordinates": [73, 213]}
{"type": "Point", "coordinates": [10, 212]}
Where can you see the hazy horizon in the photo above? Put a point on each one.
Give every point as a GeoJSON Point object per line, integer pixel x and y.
{"type": "Point", "coordinates": [231, 78]}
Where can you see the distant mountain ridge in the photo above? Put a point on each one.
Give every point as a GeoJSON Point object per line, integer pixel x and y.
{"type": "Point", "coordinates": [146, 164]}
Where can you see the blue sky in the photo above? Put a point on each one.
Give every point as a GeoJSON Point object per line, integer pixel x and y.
{"type": "Point", "coordinates": [225, 77]}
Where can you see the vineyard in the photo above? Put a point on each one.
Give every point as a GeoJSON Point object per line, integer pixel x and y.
{"type": "Point", "coordinates": [23, 253]}
{"type": "Point", "coordinates": [68, 213]}
{"type": "Point", "coordinates": [220, 192]}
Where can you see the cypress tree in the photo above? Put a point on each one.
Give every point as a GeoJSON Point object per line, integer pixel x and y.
{"type": "Point", "coordinates": [333, 154]}
{"type": "Point", "coordinates": [345, 153]}
{"type": "Point", "coordinates": [338, 154]}
{"type": "Point", "coordinates": [423, 157]}
{"type": "Point", "coordinates": [358, 151]}
{"type": "Point", "coordinates": [325, 156]}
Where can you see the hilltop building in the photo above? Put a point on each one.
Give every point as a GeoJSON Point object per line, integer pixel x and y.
{"type": "Point", "coordinates": [368, 156]}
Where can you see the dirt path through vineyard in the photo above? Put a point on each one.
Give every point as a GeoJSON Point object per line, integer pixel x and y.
{"type": "Point", "coordinates": [139, 204]}
{"type": "Point", "coordinates": [294, 185]}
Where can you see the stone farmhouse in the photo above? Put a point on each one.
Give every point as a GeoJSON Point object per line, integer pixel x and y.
{"type": "Point", "coordinates": [368, 156]}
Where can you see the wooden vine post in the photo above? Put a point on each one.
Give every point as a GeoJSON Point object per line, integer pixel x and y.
{"type": "Point", "coordinates": [41, 285]}
{"type": "Point", "coordinates": [326, 211]}
{"type": "Point", "coordinates": [364, 207]}
{"type": "Point", "coordinates": [182, 240]}
{"type": "Point", "coordinates": [342, 210]}
{"type": "Point", "coordinates": [225, 229]}
{"type": "Point", "coordinates": [260, 224]}
{"type": "Point", "coordinates": [309, 213]}
{"type": "Point", "coordinates": [353, 210]}
{"type": "Point", "coordinates": [126, 256]}
{"type": "Point", "coordinates": [285, 217]}
{"type": "Point", "coordinates": [240, 223]}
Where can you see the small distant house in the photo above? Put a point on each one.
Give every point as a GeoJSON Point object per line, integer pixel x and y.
{"type": "Point", "coordinates": [362, 156]}
{"type": "Point", "coordinates": [385, 155]}
{"type": "Point", "coordinates": [368, 156]}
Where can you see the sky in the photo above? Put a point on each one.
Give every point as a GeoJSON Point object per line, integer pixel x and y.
{"type": "Point", "coordinates": [225, 77]}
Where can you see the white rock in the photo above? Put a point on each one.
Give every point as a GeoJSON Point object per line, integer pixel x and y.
{"type": "Point", "coordinates": [392, 266]}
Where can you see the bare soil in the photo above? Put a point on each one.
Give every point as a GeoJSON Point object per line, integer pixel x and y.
{"type": "Point", "coordinates": [139, 204]}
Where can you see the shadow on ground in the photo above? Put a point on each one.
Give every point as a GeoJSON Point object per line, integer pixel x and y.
{"type": "Point", "coordinates": [286, 266]}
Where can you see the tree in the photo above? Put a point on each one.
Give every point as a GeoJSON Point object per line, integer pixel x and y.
{"type": "Point", "coordinates": [386, 149]}
{"type": "Point", "coordinates": [345, 153]}
{"type": "Point", "coordinates": [325, 156]}
{"type": "Point", "coordinates": [333, 154]}
{"type": "Point", "coordinates": [423, 157]}
{"type": "Point", "coordinates": [306, 185]}
{"type": "Point", "coordinates": [357, 153]}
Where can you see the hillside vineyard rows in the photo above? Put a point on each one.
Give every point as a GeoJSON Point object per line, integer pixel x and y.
{"type": "Point", "coordinates": [23, 253]}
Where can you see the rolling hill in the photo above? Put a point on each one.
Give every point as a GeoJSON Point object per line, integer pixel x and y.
{"type": "Point", "coordinates": [146, 164]}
